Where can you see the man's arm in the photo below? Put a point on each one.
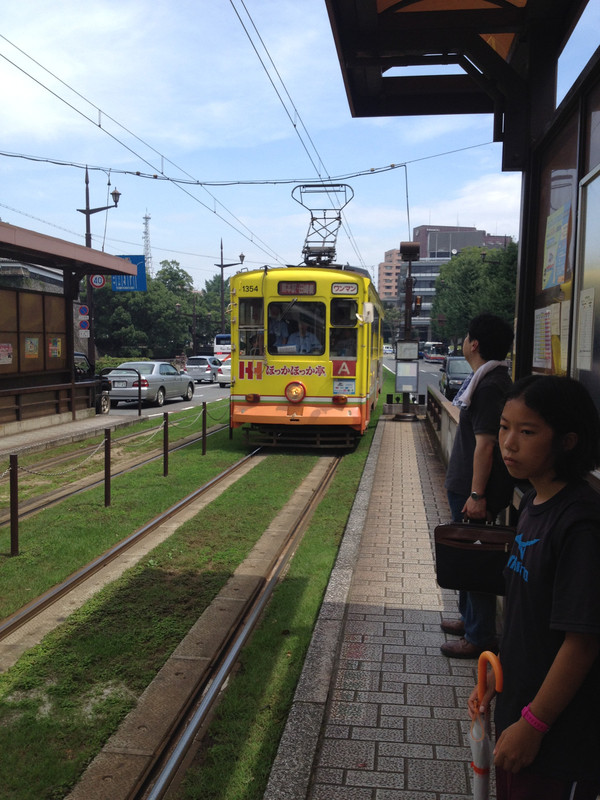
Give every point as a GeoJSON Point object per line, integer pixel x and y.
{"type": "Point", "coordinates": [482, 467]}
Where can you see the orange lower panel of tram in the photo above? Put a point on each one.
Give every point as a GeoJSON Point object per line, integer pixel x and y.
{"type": "Point", "coordinates": [301, 414]}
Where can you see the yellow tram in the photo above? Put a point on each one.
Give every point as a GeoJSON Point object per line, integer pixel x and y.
{"type": "Point", "coordinates": [306, 354]}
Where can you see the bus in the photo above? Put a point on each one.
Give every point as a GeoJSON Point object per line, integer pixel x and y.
{"type": "Point", "coordinates": [222, 346]}
{"type": "Point", "coordinates": [435, 351]}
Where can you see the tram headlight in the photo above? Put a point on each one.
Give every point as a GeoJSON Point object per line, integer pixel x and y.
{"type": "Point", "coordinates": [252, 398]}
{"type": "Point", "coordinates": [339, 399]}
{"type": "Point", "coordinates": [295, 392]}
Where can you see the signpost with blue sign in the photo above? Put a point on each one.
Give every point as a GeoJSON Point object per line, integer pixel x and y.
{"type": "Point", "coordinates": [131, 283]}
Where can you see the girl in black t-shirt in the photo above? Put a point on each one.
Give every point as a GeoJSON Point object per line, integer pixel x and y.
{"type": "Point", "coordinates": [548, 736]}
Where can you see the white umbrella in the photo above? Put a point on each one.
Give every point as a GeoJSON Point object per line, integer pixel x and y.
{"type": "Point", "coordinates": [479, 735]}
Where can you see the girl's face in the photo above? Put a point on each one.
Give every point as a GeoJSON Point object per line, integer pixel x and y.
{"type": "Point", "coordinates": [527, 443]}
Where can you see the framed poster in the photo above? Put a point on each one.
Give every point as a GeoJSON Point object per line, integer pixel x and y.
{"type": "Point", "coordinates": [586, 355]}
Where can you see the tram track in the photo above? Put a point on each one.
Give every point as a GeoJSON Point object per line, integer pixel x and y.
{"type": "Point", "coordinates": [144, 757]}
{"type": "Point", "coordinates": [24, 615]}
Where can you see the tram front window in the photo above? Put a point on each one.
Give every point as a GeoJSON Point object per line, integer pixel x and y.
{"type": "Point", "coordinates": [299, 327]}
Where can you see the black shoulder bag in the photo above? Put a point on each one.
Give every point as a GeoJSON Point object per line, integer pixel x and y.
{"type": "Point", "coordinates": [472, 555]}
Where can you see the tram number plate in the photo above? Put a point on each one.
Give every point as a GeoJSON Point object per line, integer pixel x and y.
{"type": "Point", "coordinates": [344, 387]}
{"type": "Point", "coordinates": [119, 384]}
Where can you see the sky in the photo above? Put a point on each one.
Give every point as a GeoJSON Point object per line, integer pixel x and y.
{"type": "Point", "coordinates": [247, 94]}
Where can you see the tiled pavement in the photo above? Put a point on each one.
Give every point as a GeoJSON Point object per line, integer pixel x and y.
{"type": "Point", "coordinates": [380, 713]}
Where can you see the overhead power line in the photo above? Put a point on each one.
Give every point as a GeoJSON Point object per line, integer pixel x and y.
{"type": "Point", "coordinates": [247, 234]}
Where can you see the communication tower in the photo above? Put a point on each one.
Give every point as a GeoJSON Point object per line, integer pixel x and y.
{"type": "Point", "coordinates": [147, 248]}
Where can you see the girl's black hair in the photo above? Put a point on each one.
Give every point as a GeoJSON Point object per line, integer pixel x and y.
{"type": "Point", "coordinates": [566, 406]}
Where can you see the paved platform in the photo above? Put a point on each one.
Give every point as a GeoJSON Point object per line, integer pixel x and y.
{"type": "Point", "coordinates": [380, 713]}
{"type": "Point", "coordinates": [43, 437]}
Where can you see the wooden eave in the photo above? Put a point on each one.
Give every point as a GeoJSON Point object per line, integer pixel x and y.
{"type": "Point", "coordinates": [507, 50]}
{"type": "Point", "coordinates": [31, 247]}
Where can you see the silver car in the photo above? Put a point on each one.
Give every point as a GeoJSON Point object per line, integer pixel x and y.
{"type": "Point", "coordinates": [203, 368]}
{"type": "Point", "coordinates": [160, 381]}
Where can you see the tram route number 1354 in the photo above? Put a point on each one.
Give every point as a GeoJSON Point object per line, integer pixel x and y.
{"type": "Point", "coordinates": [249, 288]}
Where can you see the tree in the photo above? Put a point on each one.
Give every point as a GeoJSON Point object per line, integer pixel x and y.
{"type": "Point", "coordinates": [134, 324]}
{"type": "Point", "coordinates": [471, 283]}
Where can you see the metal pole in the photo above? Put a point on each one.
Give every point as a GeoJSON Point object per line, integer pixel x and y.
{"type": "Point", "coordinates": [204, 428]}
{"type": "Point", "coordinates": [165, 444]}
{"type": "Point", "coordinates": [89, 292]}
{"type": "Point", "coordinates": [222, 291]}
{"type": "Point", "coordinates": [107, 486]}
{"type": "Point", "coordinates": [14, 504]}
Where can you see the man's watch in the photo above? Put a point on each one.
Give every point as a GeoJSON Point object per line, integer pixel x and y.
{"type": "Point", "coordinates": [475, 496]}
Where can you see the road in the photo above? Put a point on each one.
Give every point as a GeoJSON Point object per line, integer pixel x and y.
{"type": "Point", "coordinates": [203, 393]}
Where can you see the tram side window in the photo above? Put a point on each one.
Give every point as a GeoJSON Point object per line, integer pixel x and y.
{"type": "Point", "coordinates": [343, 333]}
{"type": "Point", "coordinates": [375, 334]}
{"type": "Point", "coordinates": [305, 323]}
{"type": "Point", "coordinates": [343, 312]}
{"type": "Point", "coordinates": [251, 327]}
{"type": "Point", "coordinates": [342, 342]}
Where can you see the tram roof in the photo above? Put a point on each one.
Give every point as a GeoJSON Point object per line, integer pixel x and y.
{"type": "Point", "coordinates": [506, 52]}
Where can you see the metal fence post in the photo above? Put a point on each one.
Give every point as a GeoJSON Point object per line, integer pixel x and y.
{"type": "Point", "coordinates": [106, 467]}
{"type": "Point", "coordinates": [204, 428]}
{"type": "Point", "coordinates": [14, 505]}
{"type": "Point", "coordinates": [165, 443]}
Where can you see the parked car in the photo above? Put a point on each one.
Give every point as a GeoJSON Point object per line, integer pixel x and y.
{"type": "Point", "coordinates": [455, 370]}
{"type": "Point", "coordinates": [160, 381]}
{"type": "Point", "coordinates": [224, 376]}
{"type": "Point", "coordinates": [84, 371]}
{"type": "Point", "coordinates": [203, 368]}
{"type": "Point", "coordinates": [388, 350]}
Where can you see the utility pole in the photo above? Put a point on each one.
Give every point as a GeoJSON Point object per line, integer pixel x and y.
{"type": "Point", "coordinates": [115, 194]}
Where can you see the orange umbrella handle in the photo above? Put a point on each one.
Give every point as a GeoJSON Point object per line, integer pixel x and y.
{"type": "Point", "coordinates": [494, 661]}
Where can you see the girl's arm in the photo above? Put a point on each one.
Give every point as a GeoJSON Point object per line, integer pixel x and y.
{"type": "Point", "coordinates": [519, 744]}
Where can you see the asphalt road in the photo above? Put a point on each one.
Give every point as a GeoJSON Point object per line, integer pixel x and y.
{"type": "Point", "coordinates": [203, 393]}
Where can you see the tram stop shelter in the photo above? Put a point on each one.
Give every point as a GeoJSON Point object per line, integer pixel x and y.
{"type": "Point", "coordinates": [505, 54]}
{"type": "Point", "coordinates": [37, 380]}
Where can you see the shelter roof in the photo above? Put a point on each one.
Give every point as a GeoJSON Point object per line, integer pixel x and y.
{"type": "Point", "coordinates": [506, 52]}
{"type": "Point", "coordinates": [30, 247]}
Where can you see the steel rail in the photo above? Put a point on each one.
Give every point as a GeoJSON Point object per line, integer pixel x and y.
{"type": "Point", "coordinates": [161, 782]}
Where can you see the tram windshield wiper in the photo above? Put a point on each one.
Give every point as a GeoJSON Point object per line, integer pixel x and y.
{"type": "Point", "coordinates": [288, 308]}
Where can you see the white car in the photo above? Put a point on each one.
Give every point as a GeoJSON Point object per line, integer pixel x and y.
{"type": "Point", "coordinates": [203, 368]}
{"type": "Point", "coordinates": [224, 373]}
{"type": "Point", "coordinates": [388, 350]}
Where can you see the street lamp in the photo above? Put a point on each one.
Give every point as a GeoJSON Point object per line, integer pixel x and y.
{"type": "Point", "coordinates": [222, 266]}
{"type": "Point", "coordinates": [115, 194]}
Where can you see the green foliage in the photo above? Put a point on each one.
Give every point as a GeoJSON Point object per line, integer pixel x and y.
{"type": "Point", "coordinates": [161, 322]}
{"type": "Point", "coordinates": [472, 283]}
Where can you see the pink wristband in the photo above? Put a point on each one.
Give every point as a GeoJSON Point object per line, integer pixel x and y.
{"type": "Point", "coordinates": [536, 723]}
